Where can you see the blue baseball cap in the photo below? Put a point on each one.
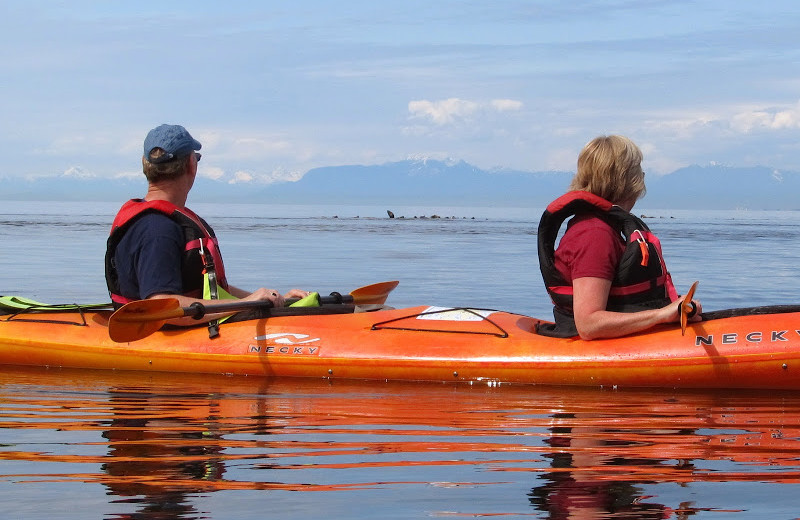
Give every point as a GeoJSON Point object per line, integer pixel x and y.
{"type": "Point", "coordinates": [173, 139]}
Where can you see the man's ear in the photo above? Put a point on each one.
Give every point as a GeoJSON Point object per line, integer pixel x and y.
{"type": "Point", "coordinates": [189, 169]}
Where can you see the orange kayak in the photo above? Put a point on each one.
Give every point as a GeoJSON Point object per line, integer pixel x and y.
{"type": "Point", "coordinates": [741, 348]}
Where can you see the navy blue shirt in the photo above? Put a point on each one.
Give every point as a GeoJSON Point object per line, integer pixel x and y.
{"type": "Point", "coordinates": [148, 258]}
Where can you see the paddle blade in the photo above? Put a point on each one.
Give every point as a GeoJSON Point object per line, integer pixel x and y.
{"type": "Point", "coordinates": [139, 319]}
{"type": "Point", "coordinates": [375, 294]}
{"type": "Point", "coordinates": [686, 307]}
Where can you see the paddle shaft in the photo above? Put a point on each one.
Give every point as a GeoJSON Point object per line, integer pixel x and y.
{"type": "Point", "coordinates": [138, 319]}
{"type": "Point", "coordinates": [198, 310]}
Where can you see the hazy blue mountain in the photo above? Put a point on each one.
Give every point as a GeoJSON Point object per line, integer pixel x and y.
{"type": "Point", "coordinates": [421, 182]}
{"type": "Point", "coordinates": [436, 182]}
{"type": "Point", "coordinates": [723, 187]}
{"type": "Point", "coordinates": [69, 188]}
{"type": "Point", "coordinates": [430, 182]}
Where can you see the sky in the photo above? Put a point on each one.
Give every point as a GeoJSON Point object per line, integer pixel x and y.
{"type": "Point", "coordinates": [273, 89]}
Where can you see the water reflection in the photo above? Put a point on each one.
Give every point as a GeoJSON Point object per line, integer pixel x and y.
{"type": "Point", "coordinates": [156, 452]}
{"type": "Point", "coordinates": [180, 447]}
{"type": "Point", "coordinates": [577, 485]}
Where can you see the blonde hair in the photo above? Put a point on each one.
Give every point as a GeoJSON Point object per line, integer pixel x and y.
{"type": "Point", "coordinates": [610, 167]}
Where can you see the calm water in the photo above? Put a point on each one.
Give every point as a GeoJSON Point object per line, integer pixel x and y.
{"type": "Point", "coordinates": [82, 444]}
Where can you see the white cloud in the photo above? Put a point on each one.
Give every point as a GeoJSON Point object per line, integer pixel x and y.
{"type": "Point", "coordinates": [506, 105]}
{"type": "Point", "coordinates": [211, 172]}
{"type": "Point", "coordinates": [281, 174]}
{"type": "Point", "coordinates": [741, 120]}
{"type": "Point", "coordinates": [240, 177]}
{"type": "Point", "coordinates": [442, 112]}
{"type": "Point", "coordinates": [77, 172]}
{"type": "Point", "coordinates": [208, 138]}
{"type": "Point", "coordinates": [129, 175]}
{"type": "Point", "coordinates": [425, 156]}
{"type": "Point", "coordinates": [259, 146]}
{"type": "Point", "coordinates": [414, 130]}
{"type": "Point", "coordinates": [560, 159]}
{"type": "Point", "coordinates": [767, 119]}
{"type": "Point", "coordinates": [453, 110]}
{"type": "Point", "coordinates": [246, 177]}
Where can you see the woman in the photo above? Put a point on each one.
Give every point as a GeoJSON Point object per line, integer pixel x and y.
{"type": "Point", "coordinates": [607, 278]}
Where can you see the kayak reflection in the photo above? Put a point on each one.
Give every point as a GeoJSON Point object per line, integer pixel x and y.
{"type": "Point", "coordinates": [171, 442]}
{"type": "Point", "coordinates": [154, 453]}
{"type": "Point", "coordinates": [577, 485]}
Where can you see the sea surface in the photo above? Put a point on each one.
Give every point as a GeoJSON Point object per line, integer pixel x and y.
{"type": "Point", "coordinates": [109, 445]}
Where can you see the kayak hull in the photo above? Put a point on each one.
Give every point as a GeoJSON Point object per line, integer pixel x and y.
{"type": "Point", "coordinates": [426, 344]}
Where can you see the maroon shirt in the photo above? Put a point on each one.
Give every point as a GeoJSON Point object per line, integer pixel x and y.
{"type": "Point", "coordinates": [589, 248]}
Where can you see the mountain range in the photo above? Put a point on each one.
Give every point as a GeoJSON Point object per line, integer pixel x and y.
{"type": "Point", "coordinates": [432, 182]}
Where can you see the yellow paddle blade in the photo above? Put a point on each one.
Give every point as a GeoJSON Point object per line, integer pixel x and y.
{"type": "Point", "coordinates": [141, 318]}
{"type": "Point", "coordinates": [375, 294]}
{"type": "Point", "coordinates": [686, 307]}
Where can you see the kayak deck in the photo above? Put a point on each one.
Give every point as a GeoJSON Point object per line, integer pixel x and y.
{"type": "Point", "coordinates": [425, 343]}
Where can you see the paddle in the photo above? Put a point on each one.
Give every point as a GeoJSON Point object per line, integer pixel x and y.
{"type": "Point", "coordinates": [139, 319]}
{"type": "Point", "coordinates": [687, 308]}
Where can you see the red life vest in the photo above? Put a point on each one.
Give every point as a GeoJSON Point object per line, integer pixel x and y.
{"type": "Point", "coordinates": [641, 281]}
{"type": "Point", "coordinates": [201, 254]}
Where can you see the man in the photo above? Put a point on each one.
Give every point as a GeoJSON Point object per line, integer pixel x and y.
{"type": "Point", "coordinates": [159, 248]}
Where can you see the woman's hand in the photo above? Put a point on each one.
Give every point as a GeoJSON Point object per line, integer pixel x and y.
{"type": "Point", "coordinates": [695, 316]}
{"type": "Point", "coordinates": [593, 321]}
